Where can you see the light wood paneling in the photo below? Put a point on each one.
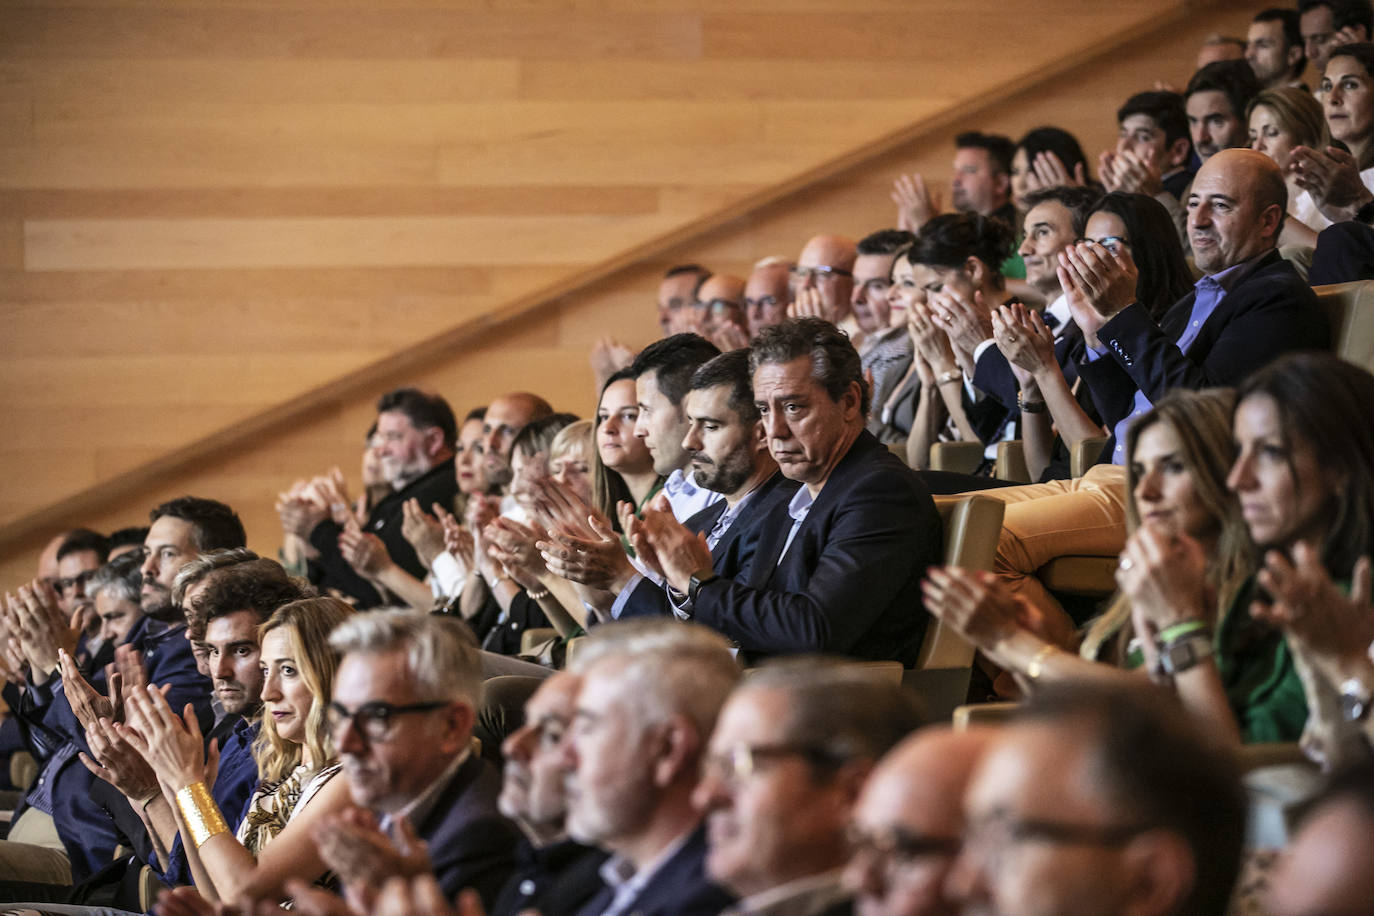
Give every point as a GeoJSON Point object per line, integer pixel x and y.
{"type": "Point", "coordinates": [207, 211]}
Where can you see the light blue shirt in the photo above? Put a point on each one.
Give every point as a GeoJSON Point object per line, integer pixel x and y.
{"type": "Point", "coordinates": [798, 508]}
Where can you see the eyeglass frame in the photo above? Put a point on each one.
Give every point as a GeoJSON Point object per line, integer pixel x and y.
{"type": "Point", "coordinates": [739, 763]}
{"type": "Point", "coordinates": [800, 274]}
{"type": "Point", "coordinates": [335, 714]}
{"type": "Point", "coordinates": [896, 846]}
{"type": "Point", "coordinates": [1017, 831]}
{"type": "Point", "coordinates": [1107, 242]}
{"type": "Point", "coordinates": [82, 578]}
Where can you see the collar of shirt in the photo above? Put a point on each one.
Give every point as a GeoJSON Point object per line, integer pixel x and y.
{"type": "Point", "coordinates": [420, 807]}
{"type": "Point", "coordinates": [627, 882]}
{"type": "Point", "coordinates": [798, 508]}
{"type": "Point", "coordinates": [727, 518]}
{"type": "Point", "coordinates": [1210, 291]}
{"type": "Point", "coordinates": [1059, 310]}
{"type": "Point", "coordinates": [793, 897]}
{"type": "Point", "coordinates": [685, 497]}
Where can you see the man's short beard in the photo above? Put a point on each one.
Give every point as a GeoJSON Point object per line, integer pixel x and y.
{"type": "Point", "coordinates": [163, 611]}
{"type": "Point", "coordinates": [727, 477]}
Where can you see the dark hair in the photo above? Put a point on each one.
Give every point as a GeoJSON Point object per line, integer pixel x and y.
{"type": "Point", "coordinates": [1000, 149]}
{"type": "Point", "coordinates": [537, 435]}
{"type": "Point", "coordinates": [1346, 13]}
{"type": "Point", "coordinates": [1166, 109]}
{"type": "Point", "coordinates": [423, 410]}
{"type": "Point", "coordinates": [885, 241]}
{"type": "Point", "coordinates": [1292, 31]}
{"type": "Point", "coordinates": [1055, 140]}
{"type": "Point", "coordinates": [1078, 201]}
{"type": "Point", "coordinates": [214, 525]}
{"type": "Point", "coordinates": [1164, 275]}
{"type": "Point", "coordinates": [834, 361]}
{"type": "Point", "coordinates": [1363, 52]}
{"type": "Point", "coordinates": [673, 360]}
{"type": "Point", "coordinates": [79, 539]}
{"type": "Point", "coordinates": [1354, 784]}
{"type": "Point", "coordinates": [259, 585]}
{"type": "Point", "coordinates": [608, 487]}
{"type": "Point", "coordinates": [685, 269]}
{"type": "Point", "coordinates": [1232, 78]}
{"type": "Point", "coordinates": [1325, 402]}
{"type": "Point", "coordinates": [731, 369]}
{"type": "Point", "coordinates": [950, 239]}
{"type": "Point", "coordinates": [134, 536]}
{"type": "Point", "coordinates": [477, 413]}
{"type": "Point", "coordinates": [1156, 767]}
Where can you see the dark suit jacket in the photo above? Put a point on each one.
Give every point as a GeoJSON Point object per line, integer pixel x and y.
{"type": "Point", "coordinates": [732, 552]}
{"type": "Point", "coordinates": [438, 485]}
{"type": "Point", "coordinates": [850, 584]}
{"type": "Point", "coordinates": [470, 843]}
{"type": "Point", "coordinates": [680, 887]}
{"type": "Point", "coordinates": [556, 880]}
{"type": "Point", "coordinates": [1269, 311]}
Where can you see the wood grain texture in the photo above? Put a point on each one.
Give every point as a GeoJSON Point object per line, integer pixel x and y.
{"type": "Point", "coordinates": [210, 215]}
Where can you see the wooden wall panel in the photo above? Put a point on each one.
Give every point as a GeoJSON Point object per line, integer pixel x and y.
{"type": "Point", "coordinates": [206, 211]}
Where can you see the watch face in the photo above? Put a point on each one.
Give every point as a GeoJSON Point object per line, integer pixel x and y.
{"type": "Point", "coordinates": [1352, 708]}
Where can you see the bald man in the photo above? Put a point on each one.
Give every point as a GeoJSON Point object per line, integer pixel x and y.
{"type": "Point", "coordinates": [768, 293]}
{"type": "Point", "coordinates": [823, 281]}
{"type": "Point", "coordinates": [908, 822]}
{"type": "Point", "coordinates": [505, 417]}
{"type": "Point", "coordinates": [720, 302]}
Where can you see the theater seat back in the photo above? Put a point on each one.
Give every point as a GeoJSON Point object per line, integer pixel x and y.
{"type": "Point", "coordinates": [1349, 307]}
{"type": "Point", "coordinates": [972, 525]}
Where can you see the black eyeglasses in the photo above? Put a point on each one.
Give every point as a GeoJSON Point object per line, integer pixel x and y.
{"type": "Point", "coordinates": [897, 846]}
{"type": "Point", "coordinates": [374, 720]}
{"type": "Point", "coordinates": [1113, 243]}
{"type": "Point", "coordinates": [63, 586]}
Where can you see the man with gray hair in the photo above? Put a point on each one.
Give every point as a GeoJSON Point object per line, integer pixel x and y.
{"type": "Point", "coordinates": [405, 701]}
{"type": "Point", "coordinates": [651, 691]}
{"type": "Point", "coordinates": [789, 756]}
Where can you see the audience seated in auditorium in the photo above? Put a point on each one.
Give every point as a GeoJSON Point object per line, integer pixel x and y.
{"type": "Point", "coordinates": [554, 874]}
{"type": "Point", "coordinates": [1154, 153]}
{"type": "Point", "coordinates": [1107, 801]}
{"type": "Point", "coordinates": [650, 695]}
{"type": "Point", "coordinates": [860, 516]}
{"type": "Point", "coordinates": [908, 824]}
{"type": "Point", "coordinates": [1274, 49]}
{"type": "Point", "coordinates": [788, 758]}
{"type": "Point", "coordinates": [728, 454]}
{"type": "Point", "coordinates": [768, 292]}
{"type": "Point", "coordinates": [980, 183]}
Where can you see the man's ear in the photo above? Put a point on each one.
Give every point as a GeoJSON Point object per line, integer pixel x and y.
{"type": "Point", "coordinates": [1295, 54]}
{"type": "Point", "coordinates": [852, 399]}
{"type": "Point", "coordinates": [1160, 872]}
{"type": "Point", "coordinates": [676, 751]}
{"type": "Point", "coordinates": [1002, 183]}
{"type": "Point", "coordinates": [433, 441]}
{"type": "Point", "coordinates": [459, 720]}
{"type": "Point", "coordinates": [1270, 219]}
{"type": "Point", "coordinates": [976, 271]}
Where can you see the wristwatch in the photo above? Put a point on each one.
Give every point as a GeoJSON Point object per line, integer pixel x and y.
{"type": "Point", "coordinates": [698, 579]}
{"type": "Point", "coordinates": [1185, 652]}
{"type": "Point", "coordinates": [1355, 697]}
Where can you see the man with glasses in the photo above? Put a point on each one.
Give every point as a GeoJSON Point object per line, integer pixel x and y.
{"type": "Point", "coordinates": [719, 308]}
{"type": "Point", "coordinates": [909, 823]}
{"type": "Point", "coordinates": [80, 555]}
{"type": "Point", "coordinates": [650, 694]}
{"type": "Point", "coordinates": [405, 700]}
{"type": "Point", "coordinates": [676, 293]}
{"type": "Point", "coordinates": [1106, 800]}
{"type": "Point", "coordinates": [768, 292]}
{"type": "Point", "coordinates": [785, 765]}
{"type": "Point", "coordinates": [823, 282]}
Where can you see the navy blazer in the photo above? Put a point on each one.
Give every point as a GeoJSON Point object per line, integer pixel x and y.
{"type": "Point", "coordinates": [1269, 311]}
{"type": "Point", "coordinates": [732, 552]}
{"type": "Point", "coordinates": [470, 843]}
{"type": "Point", "coordinates": [680, 887]}
{"type": "Point", "coordinates": [554, 880]}
{"type": "Point", "coordinates": [850, 584]}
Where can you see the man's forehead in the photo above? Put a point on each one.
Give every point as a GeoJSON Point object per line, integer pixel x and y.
{"type": "Point", "coordinates": [1207, 102]}
{"type": "Point", "coordinates": [238, 626]}
{"type": "Point", "coordinates": [366, 677]}
{"type": "Point", "coordinates": [1050, 212]}
{"type": "Point", "coordinates": [555, 697]}
{"type": "Point", "coordinates": [702, 403]}
{"type": "Point", "coordinates": [795, 375]}
{"type": "Point", "coordinates": [873, 265]}
{"type": "Point", "coordinates": [78, 561]}
{"type": "Point", "coordinates": [169, 531]}
{"type": "Point", "coordinates": [1139, 122]}
{"type": "Point", "coordinates": [505, 411]}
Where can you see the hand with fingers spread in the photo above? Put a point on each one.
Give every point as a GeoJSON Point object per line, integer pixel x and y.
{"type": "Point", "coordinates": [916, 204]}
{"type": "Point", "coordinates": [729, 336]}
{"type": "Point", "coordinates": [807, 303]}
{"type": "Point", "coordinates": [634, 532]}
{"type": "Point", "coordinates": [299, 513]}
{"type": "Point", "coordinates": [364, 552]}
{"type": "Point", "coordinates": [480, 511]}
{"type": "Point", "coordinates": [333, 489]}
{"type": "Point", "coordinates": [608, 357]}
{"type": "Point", "coordinates": [172, 745]}
{"type": "Point", "coordinates": [1106, 170]}
{"type": "Point", "coordinates": [1165, 577]}
{"type": "Point", "coordinates": [928, 340]}
{"type": "Point", "coordinates": [967, 321]}
{"type": "Point", "coordinates": [133, 674]}
{"type": "Point", "coordinates": [1138, 173]}
{"type": "Point", "coordinates": [1332, 177]}
{"type": "Point", "coordinates": [43, 630]}
{"type": "Point", "coordinates": [1048, 171]}
{"type": "Point", "coordinates": [1307, 605]}
{"type": "Point", "coordinates": [680, 553]}
{"type": "Point", "coordinates": [187, 901]}
{"type": "Point", "coordinates": [975, 603]}
{"type": "Point", "coordinates": [116, 761]}
{"type": "Point", "coordinates": [1097, 284]}
{"type": "Point", "coordinates": [598, 561]}
{"type": "Point", "coordinates": [1025, 340]}
{"type": "Point", "coordinates": [513, 546]}
{"type": "Point", "coordinates": [353, 846]}
{"type": "Point", "coordinates": [558, 508]}
{"type": "Point", "coordinates": [13, 666]}
{"type": "Point", "coordinates": [88, 705]}
{"type": "Point", "coordinates": [424, 531]}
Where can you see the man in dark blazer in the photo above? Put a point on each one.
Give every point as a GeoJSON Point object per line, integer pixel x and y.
{"type": "Point", "coordinates": [417, 434]}
{"type": "Point", "coordinates": [838, 568]}
{"type": "Point", "coordinates": [403, 710]}
{"type": "Point", "coordinates": [728, 454]}
{"type": "Point", "coordinates": [1250, 306]}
